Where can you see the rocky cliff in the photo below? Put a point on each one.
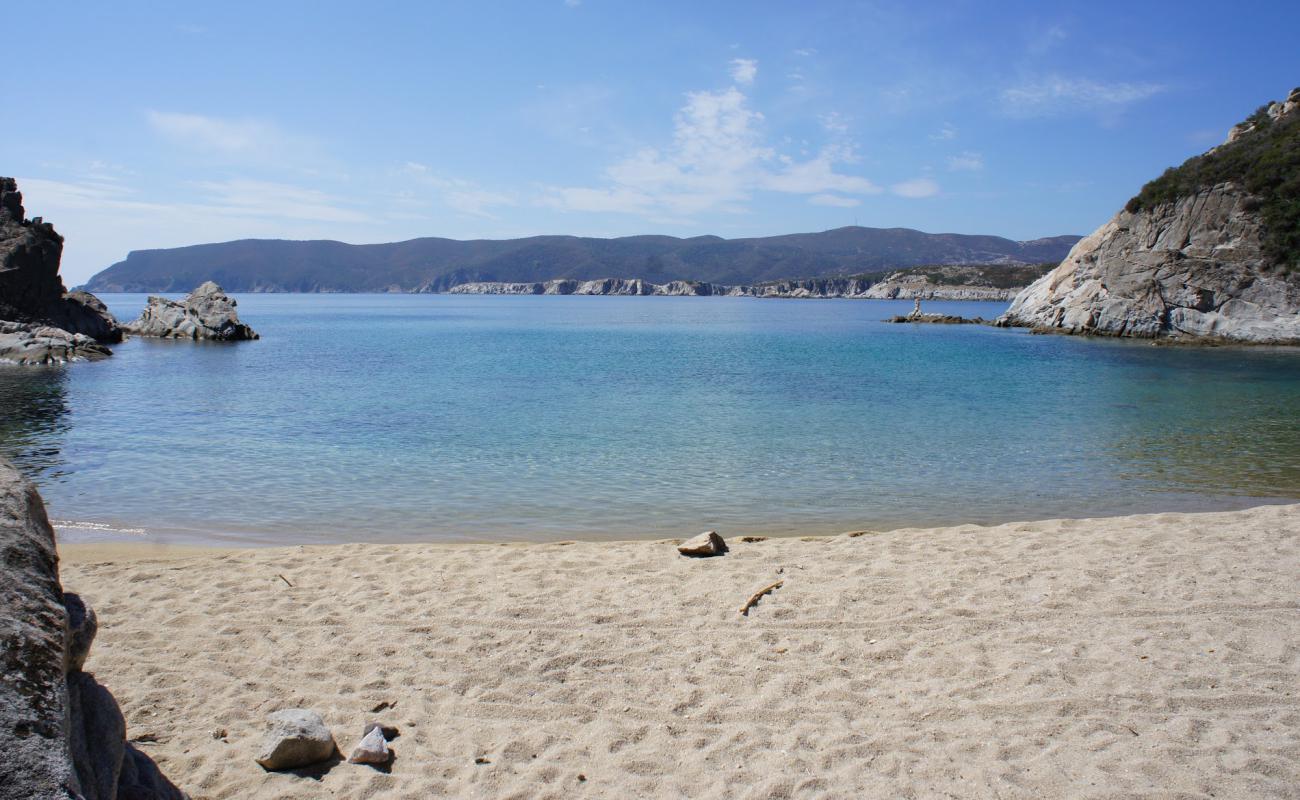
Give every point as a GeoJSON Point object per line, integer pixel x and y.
{"type": "Point", "coordinates": [1208, 251]}
{"type": "Point", "coordinates": [62, 734]}
{"type": "Point", "coordinates": [42, 321]}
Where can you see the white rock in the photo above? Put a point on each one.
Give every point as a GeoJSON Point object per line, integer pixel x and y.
{"type": "Point", "coordinates": [372, 749]}
{"type": "Point", "coordinates": [296, 738]}
{"type": "Point", "coordinates": [708, 543]}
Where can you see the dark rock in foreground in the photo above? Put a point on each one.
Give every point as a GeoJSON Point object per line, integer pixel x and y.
{"type": "Point", "coordinates": [62, 734]}
{"type": "Point", "coordinates": [32, 293]}
{"type": "Point", "coordinates": [206, 314]}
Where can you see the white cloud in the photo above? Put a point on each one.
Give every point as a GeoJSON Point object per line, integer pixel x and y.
{"type": "Point", "coordinates": [834, 200]}
{"type": "Point", "coordinates": [227, 137]}
{"type": "Point", "coordinates": [573, 3]}
{"type": "Point", "coordinates": [946, 133]}
{"type": "Point", "coordinates": [242, 197]}
{"type": "Point", "coordinates": [1056, 95]}
{"type": "Point", "coordinates": [966, 162]}
{"type": "Point", "coordinates": [916, 188]}
{"type": "Point", "coordinates": [717, 160]}
{"type": "Point", "coordinates": [744, 70]}
{"type": "Point", "coordinates": [805, 52]}
{"type": "Point", "coordinates": [833, 122]}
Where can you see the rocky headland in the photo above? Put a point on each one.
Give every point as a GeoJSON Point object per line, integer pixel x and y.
{"type": "Point", "coordinates": [41, 322]}
{"type": "Point", "coordinates": [62, 734]}
{"type": "Point", "coordinates": [207, 313]}
{"type": "Point", "coordinates": [1210, 251]}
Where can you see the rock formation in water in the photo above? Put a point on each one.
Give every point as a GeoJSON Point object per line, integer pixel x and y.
{"type": "Point", "coordinates": [42, 322]}
{"type": "Point", "coordinates": [1208, 251]}
{"type": "Point", "coordinates": [62, 734]}
{"type": "Point", "coordinates": [207, 313]}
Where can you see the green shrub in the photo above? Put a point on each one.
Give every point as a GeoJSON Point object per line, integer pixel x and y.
{"type": "Point", "coordinates": [1265, 161]}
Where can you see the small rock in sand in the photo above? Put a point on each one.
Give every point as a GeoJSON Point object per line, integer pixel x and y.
{"type": "Point", "coordinates": [296, 737]}
{"type": "Point", "coordinates": [390, 731]}
{"type": "Point", "coordinates": [708, 543]}
{"type": "Point", "coordinates": [372, 749]}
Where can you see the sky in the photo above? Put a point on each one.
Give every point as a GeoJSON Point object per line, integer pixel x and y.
{"type": "Point", "coordinates": [134, 125]}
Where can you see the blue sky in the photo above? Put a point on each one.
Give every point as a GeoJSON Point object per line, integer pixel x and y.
{"type": "Point", "coordinates": [134, 125]}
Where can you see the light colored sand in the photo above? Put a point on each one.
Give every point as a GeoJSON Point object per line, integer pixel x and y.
{"type": "Point", "coordinates": [1152, 656]}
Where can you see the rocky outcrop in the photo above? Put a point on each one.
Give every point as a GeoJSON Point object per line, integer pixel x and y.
{"type": "Point", "coordinates": [1186, 260]}
{"type": "Point", "coordinates": [28, 344]}
{"type": "Point", "coordinates": [31, 292]}
{"type": "Point", "coordinates": [207, 313]}
{"type": "Point", "coordinates": [1192, 269]}
{"type": "Point", "coordinates": [62, 734]}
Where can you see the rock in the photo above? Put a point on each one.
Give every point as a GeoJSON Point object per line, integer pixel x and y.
{"type": "Point", "coordinates": [30, 344]}
{"type": "Point", "coordinates": [295, 737]}
{"type": "Point", "coordinates": [82, 626]}
{"type": "Point", "coordinates": [708, 543]}
{"type": "Point", "coordinates": [1195, 266]}
{"type": "Point", "coordinates": [390, 731]}
{"type": "Point", "coordinates": [62, 734]}
{"type": "Point", "coordinates": [207, 313]}
{"type": "Point", "coordinates": [36, 760]}
{"type": "Point", "coordinates": [31, 291]}
{"type": "Point", "coordinates": [372, 749]}
{"type": "Point", "coordinates": [938, 319]}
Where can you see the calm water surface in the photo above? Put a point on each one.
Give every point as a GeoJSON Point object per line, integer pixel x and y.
{"type": "Point", "coordinates": [419, 417]}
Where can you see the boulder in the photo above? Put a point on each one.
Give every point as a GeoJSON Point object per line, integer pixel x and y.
{"type": "Point", "coordinates": [708, 543]}
{"type": "Point", "coordinates": [372, 749]}
{"type": "Point", "coordinates": [62, 734]}
{"type": "Point", "coordinates": [207, 313]}
{"type": "Point", "coordinates": [36, 758]}
{"type": "Point", "coordinates": [295, 737]}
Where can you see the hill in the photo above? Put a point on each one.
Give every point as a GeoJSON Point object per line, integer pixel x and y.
{"type": "Point", "coordinates": [435, 265]}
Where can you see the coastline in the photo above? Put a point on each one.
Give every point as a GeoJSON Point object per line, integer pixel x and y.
{"type": "Point", "coordinates": [1149, 655]}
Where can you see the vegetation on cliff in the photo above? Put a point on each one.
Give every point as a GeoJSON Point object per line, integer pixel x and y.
{"type": "Point", "coordinates": [1263, 157]}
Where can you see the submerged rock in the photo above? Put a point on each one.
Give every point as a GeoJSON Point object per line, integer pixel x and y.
{"type": "Point", "coordinates": [295, 737]}
{"type": "Point", "coordinates": [708, 543]}
{"type": "Point", "coordinates": [207, 313]}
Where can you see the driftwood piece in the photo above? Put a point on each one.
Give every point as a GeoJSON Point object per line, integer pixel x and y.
{"type": "Point", "coordinates": [753, 598]}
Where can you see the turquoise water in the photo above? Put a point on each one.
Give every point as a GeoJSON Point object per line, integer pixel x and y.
{"type": "Point", "coordinates": [425, 417]}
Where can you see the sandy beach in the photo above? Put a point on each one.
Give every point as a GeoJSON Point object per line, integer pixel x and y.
{"type": "Point", "coordinates": [1151, 656]}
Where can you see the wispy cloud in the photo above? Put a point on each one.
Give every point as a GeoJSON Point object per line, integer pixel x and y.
{"type": "Point", "coordinates": [946, 133]}
{"type": "Point", "coordinates": [834, 200]}
{"type": "Point", "coordinates": [967, 161]}
{"type": "Point", "coordinates": [916, 188]}
{"type": "Point", "coordinates": [462, 195]}
{"type": "Point", "coordinates": [230, 137]}
{"type": "Point", "coordinates": [744, 70]}
{"type": "Point", "coordinates": [717, 160]}
{"type": "Point", "coordinates": [1057, 95]}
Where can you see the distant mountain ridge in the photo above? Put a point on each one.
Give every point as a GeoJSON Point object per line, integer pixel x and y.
{"type": "Point", "coordinates": [436, 265]}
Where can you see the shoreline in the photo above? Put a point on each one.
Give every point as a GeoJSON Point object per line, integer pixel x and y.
{"type": "Point", "coordinates": [108, 535]}
{"type": "Point", "coordinates": [1147, 655]}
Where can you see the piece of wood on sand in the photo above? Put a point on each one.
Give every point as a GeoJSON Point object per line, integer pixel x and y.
{"type": "Point", "coordinates": [753, 598]}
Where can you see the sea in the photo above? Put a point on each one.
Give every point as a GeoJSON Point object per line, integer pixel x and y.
{"type": "Point", "coordinates": [400, 418]}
